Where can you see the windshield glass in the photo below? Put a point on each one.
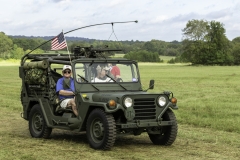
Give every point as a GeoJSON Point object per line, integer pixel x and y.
{"type": "Point", "coordinates": [106, 72]}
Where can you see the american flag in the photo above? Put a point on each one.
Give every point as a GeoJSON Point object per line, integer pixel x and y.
{"type": "Point", "coordinates": [59, 42]}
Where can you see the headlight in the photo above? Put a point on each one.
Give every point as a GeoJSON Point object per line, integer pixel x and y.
{"type": "Point", "coordinates": [128, 102]}
{"type": "Point", "coordinates": [162, 101]}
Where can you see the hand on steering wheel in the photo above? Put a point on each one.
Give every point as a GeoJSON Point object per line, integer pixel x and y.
{"type": "Point", "coordinates": [119, 80]}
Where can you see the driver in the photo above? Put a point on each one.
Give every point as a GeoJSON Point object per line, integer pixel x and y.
{"type": "Point", "coordinates": [65, 89]}
{"type": "Point", "coordinates": [101, 74]}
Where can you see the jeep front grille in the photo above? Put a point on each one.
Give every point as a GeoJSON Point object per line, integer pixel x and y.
{"type": "Point", "coordinates": [145, 108]}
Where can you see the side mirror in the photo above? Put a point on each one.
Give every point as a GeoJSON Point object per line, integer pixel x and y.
{"type": "Point", "coordinates": [151, 84]}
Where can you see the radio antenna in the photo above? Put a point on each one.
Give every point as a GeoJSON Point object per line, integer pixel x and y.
{"type": "Point", "coordinates": [75, 30]}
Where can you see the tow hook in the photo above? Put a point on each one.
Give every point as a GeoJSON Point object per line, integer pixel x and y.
{"type": "Point", "coordinates": [21, 114]}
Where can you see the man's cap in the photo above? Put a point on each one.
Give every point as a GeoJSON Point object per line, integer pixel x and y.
{"type": "Point", "coordinates": [67, 67]}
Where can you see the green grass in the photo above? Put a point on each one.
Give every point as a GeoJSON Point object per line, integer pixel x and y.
{"type": "Point", "coordinates": [208, 118]}
{"type": "Point", "coordinates": [208, 96]}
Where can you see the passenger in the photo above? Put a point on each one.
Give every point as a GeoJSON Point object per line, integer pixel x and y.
{"type": "Point", "coordinates": [65, 90]}
{"type": "Point", "coordinates": [114, 70]}
{"type": "Point", "coordinates": [101, 74]}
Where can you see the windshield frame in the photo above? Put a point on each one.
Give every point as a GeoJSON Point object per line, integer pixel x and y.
{"type": "Point", "coordinates": [106, 86]}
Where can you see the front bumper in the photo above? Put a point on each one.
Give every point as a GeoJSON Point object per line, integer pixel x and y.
{"type": "Point", "coordinates": [145, 124]}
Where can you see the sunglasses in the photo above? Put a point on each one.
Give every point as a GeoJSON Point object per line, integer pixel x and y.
{"type": "Point", "coordinates": [66, 72]}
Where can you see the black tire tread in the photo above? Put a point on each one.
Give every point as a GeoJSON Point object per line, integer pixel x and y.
{"type": "Point", "coordinates": [110, 127]}
{"type": "Point", "coordinates": [46, 131]}
{"type": "Point", "coordinates": [173, 129]}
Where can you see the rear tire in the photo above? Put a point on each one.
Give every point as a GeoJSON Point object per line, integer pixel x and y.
{"type": "Point", "coordinates": [101, 130]}
{"type": "Point", "coordinates": [167, 134]}
{"type": "Point", "coordinates": [37, 124]}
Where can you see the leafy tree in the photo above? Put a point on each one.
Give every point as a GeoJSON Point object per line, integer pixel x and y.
{"type": "Point", "coordinates": [37, 51]}
{"type": "Point", "coordinates": [236, 50]}
{"type": "Point", "coordinates": [163, 48]}
{"type": "Point", "coordinates": [6, 46]}
{"type": "Point", "coordinates": [193, 36]}
{"type": "Point", "coordinates": [218, 44]}
{"type": "Point", "coordinates": [236, 40]}
{"type": "Point", "coordinates": [149, 46]}
{"type": "Point", "coordinates": [17, 52]}
{"type": "Point", "coordinates": [143, 56]}
{"type": "Point", "coordinates": [30, 43]}
{"type": "Point", "coordinates": [171, 52]}
{"type": "Point", "coordinates": [172, 61]}
{"type": "Point", "coordinates": [195, 30]}
{"type": "Point", "coordinates": [206, 43]}
{"type": "Point", "coordinates": [22, 42]}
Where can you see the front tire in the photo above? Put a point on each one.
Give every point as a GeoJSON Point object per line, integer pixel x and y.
{"type": "Point", "coordinates": [101, 130]}
{"type": "Point", "coordinates": [167, 134]}
{"type": "Point", "coordinates": [37, 124]}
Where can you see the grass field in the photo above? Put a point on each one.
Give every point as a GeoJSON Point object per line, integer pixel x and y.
{"type": "Point", "coordinates": [208, 118]}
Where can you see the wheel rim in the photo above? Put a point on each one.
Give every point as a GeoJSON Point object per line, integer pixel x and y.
{"type": "Point", "coordinates": [37, 123]}
{"type": "Point", "coordinates": [97, 130]}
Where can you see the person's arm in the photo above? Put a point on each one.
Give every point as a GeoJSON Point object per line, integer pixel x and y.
{"type": "Point", "coordinates": [66, 93]}
{"type": "Point", "coordinates": [60, 90]}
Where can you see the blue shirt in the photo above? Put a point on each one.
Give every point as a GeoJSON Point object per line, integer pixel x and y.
{"type": "Point", "coordinates": [59, 87]}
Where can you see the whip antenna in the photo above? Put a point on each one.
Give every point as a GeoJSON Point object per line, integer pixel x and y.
{"type": "Point", "coordinates": [75, 30]}
{"type": "Point", "coordinates": [99, 25]}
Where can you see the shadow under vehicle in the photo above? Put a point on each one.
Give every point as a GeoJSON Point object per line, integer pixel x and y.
{"type": "Point", "coordinates": [106, 110]}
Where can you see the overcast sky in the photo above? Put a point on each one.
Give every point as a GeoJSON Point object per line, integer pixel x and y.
{"type": "Point", "coordinates": [157, 19]}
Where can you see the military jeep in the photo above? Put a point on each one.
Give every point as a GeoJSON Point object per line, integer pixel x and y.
{"type": "Point", "coordinates": [106, 109]}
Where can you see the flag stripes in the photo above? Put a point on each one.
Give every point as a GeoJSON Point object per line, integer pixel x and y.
{"type": "Point", "coordinates": [59, 42]}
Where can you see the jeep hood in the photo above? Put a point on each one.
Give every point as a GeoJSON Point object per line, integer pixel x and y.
{"type": "Point", "coordinates": [105, 97]}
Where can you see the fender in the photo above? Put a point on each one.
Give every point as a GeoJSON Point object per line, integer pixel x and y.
{"type": "Point", "coordinates": [47, 113]}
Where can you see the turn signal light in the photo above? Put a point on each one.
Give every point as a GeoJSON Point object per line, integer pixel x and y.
{"type": "Point", "coordinates": [85, 96]}
{"type": "Point", "coordinates": [174, 100]}
{"type": "Point", "coordinates": [111, 104]}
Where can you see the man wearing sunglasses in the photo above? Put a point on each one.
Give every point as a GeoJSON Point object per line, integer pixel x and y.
{"type": "Point", "coordinates": [65, 89]}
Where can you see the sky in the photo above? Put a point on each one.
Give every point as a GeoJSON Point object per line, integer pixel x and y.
{"type": "Point", "coordinates": [157, 19]}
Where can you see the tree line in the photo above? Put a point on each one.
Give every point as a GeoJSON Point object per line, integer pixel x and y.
{"type": "Point", "coordinates": [203, 42]}
{"type": "Point", "coordinates": [15, 47]}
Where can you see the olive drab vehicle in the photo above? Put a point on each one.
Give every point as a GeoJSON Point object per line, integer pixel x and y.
{"type": "Point", "coordinates": [106, 109]}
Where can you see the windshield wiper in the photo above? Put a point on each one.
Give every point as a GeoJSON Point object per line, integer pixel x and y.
{"type": "Point", "coordinates": [115, 81]}
{"type": "Point", "coordinates": [82, 78]}
{"type": "Point", "coordinates": [88, 82]}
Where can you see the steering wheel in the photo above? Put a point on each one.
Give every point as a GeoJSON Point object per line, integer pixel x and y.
{"type": "Point", "coordinates": [119, 80]}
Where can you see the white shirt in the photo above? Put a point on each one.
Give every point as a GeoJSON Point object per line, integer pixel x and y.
{"type": "Point", "coordinates": [102, 80]}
